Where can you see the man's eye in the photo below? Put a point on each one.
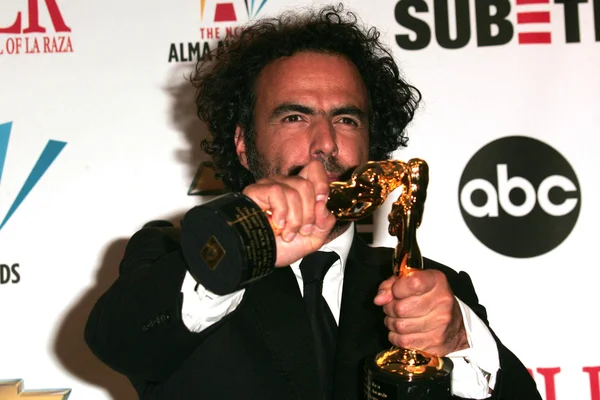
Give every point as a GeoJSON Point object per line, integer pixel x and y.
{"type": "Point", "coordinates": [292, 118]}
{"type": "Point", "coordinates": [348, 121]}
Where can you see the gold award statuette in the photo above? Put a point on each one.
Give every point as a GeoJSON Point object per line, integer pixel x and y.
{"type": "Point", "coordinates": [400, 373]}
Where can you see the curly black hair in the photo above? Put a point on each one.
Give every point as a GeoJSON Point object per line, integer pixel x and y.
{"type": "Point", "coordinates": [225, 83]}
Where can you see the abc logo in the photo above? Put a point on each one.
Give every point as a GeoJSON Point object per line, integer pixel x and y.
{"type": "Point", "coordinates": [519, 197]}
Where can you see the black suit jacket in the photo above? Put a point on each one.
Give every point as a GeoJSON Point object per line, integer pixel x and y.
{"type": "Point", "coordinates": [263, 349]}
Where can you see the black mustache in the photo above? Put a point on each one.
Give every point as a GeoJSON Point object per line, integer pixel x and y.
{"type": "Point", "coordinates": [344, 174]}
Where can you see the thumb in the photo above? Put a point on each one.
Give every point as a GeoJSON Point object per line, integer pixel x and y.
{"type": "Point", "coordinates": [315, 172]}
{"type": "Point", "coordinates": [384, 295]}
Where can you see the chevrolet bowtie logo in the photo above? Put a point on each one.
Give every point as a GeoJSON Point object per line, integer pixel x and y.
{"type": "Point", "coordinates": [13, 390]}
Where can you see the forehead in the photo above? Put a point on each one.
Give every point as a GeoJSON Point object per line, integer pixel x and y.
{"type": "Point", "coordinates": [309, 77]}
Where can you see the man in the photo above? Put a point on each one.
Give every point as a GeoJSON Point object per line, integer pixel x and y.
{"type": "Point", "coordinates": [293, 104]}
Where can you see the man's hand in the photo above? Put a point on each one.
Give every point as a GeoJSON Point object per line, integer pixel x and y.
{"type": "Point", "coordinates": [298, 209]}
{"type": "Point", "coordinates": [422, 313]}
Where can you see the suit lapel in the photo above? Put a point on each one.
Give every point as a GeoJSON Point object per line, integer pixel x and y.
{"type": "Point", "coordinates": [281, 317]}
{"type": "Point", "coordinates": [361, 331]}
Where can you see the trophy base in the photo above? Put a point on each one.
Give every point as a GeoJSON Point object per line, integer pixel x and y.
{"type": "Point", "coordinates": [228, 243]}
{"type": "Point", "coordinates": [400, 374]}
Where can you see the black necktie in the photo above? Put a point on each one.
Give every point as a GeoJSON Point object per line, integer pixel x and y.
{"type": "Point", "coordinates": [313, 268]}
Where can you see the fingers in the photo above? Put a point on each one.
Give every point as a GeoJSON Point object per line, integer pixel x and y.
{"type": "Point", "coordinates": [419, 294]}
{"type": "Point", "coordinates": [315, 173]}
{"type": "Point", "coordinates": [439, 333]}
{"type": "Point", "coordinates": [301, 199]}
{"type": "Point", "coordinates": [416, 283]}
{"type": "Point", "coordinates": [409, 326]}
{"type": "Point", "coordinates": [411, 307]}
{"type": "Point", "coordinates": [422, 313]}
{"type": "Point", "coordinates": [291, 204]}
{"type": "Point", "coordinates": [384, 295]}
{"type": "Point", "coordinates": [296, 203]}
{"type": "Point", "coordinates": [270, 196]}
{"type": "Point", "coordinates": [324, 220]}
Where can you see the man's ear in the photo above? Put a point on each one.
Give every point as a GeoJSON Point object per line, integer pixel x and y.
{"type": "Point", "coordinates": [240, 146]}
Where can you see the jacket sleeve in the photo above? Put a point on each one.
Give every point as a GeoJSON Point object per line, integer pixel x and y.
{"type": "Point", "coordinates": [513, 381]}
{"type": "Point", "coordinates": [136, 327]}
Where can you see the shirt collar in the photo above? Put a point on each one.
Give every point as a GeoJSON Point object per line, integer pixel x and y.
{"type": "Point", "coordinates": [341, 245]}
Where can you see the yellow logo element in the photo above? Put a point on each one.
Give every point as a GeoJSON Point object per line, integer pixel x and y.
{"type": "Point", "coordinates": [202, 4]}
{"type": "Point", "coordinates": [13, 390]}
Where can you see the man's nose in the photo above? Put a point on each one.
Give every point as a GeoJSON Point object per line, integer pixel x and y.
{"type": "Point", "coordinates": [323, 143]}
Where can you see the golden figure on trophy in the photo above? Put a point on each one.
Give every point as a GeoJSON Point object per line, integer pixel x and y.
{"type": "Point", "coordinates": [395, 373]}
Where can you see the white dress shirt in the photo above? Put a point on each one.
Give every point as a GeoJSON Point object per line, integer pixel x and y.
{"type": "Point", "coordinates": [475, 368]}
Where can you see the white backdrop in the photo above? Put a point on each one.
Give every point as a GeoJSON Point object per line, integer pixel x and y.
{"type": "Point", "coordinates": [103, 80]}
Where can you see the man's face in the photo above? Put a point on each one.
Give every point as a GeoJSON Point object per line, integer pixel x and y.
{"type": "Point", "coordinates": [308, 106]}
